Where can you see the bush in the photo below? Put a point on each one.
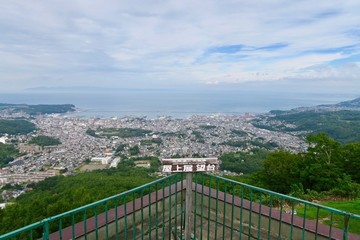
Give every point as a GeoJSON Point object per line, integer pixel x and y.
{"type": "Point", "coordinates": [345, 188]}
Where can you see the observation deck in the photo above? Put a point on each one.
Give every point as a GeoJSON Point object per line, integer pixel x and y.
{"type": "Point", "coordinates": [221, 209]}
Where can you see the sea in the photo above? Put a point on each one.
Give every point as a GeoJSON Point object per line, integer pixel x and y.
{"type": "Point", "coordinates": [177, 104]}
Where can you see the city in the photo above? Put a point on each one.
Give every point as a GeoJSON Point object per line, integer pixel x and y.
{"type": "Point", "coordinates": [198, 135]}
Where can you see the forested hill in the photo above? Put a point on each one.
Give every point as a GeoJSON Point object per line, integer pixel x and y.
{"type": "Point", "coordinates": [340, 121]}
{"type": "Point", "coordinates": [343, 125]}
{"type": "Point", "coordinates": [355, 103]}
{"type": "Point", "coordinates": [37, 109]}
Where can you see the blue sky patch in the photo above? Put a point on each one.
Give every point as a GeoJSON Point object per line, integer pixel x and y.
{"type": "Point", "coordinates": [226, 49]}
{"type": "Point", "coordinates": [345, 50]}
{"type": "Point", "coordinates": [342, 61]}
{"type": "Point", "coordinates": [273, 47]}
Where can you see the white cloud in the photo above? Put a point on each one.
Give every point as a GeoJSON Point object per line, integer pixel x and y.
{"type": "Point", "coordinates": [163, 43]}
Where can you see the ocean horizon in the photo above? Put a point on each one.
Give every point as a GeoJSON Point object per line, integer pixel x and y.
{"type": "Point", "coordinates": [178, 104]}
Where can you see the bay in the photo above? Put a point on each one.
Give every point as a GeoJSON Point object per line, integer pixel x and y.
{"type": "Point", "coordinates": [179, 104]}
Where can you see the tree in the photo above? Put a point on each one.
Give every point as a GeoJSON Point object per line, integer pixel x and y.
{"type": "Point", "coordinates": [322, 164]}
{"type": "Point", "coordinates": [44, 141]}
{"type": "Point", "coordinates": [323, 149]}
{"type": "Point", "coordinates": [280, 171]}
{"type": "Point", "coordinates": [351, 163]}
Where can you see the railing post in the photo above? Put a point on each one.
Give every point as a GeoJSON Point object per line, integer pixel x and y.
{"type": "Point", "coordinates": [46, 230]}
{"type": "Point", "coordinates": [188, 204]}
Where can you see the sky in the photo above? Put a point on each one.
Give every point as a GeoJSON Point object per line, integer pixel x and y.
{"type": "Point", "coordinates": [301, 45]}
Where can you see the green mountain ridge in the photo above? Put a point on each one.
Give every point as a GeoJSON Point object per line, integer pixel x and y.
{"type": "Point", "coordinates": [37, 109]}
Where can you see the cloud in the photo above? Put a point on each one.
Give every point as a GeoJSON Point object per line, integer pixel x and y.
{"type": "Point", "coordinates": [176, 42]}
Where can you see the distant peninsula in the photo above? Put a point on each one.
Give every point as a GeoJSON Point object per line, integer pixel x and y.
{"type": "Point", "coordinates": [352, 105]}
{"type": "Point", "coordinates": [34, 110]}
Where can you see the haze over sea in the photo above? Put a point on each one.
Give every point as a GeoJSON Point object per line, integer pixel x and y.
{"type": "Point", "coordinates": [175, 103]}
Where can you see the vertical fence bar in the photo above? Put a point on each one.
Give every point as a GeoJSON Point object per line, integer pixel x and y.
{"type": "Point", "coordinates": [163, 210]}
{"type": "Point", "coordinates": [60, 229]}
{"type": "Point", "coordinates": [156, 212]}
{"type": "Point", "coordinates": [182, 218]}
{"type": "Point", "coordinates": [232, 211]}
{"type": "Point", "coordinates": [188, 206]}
{"type": "Point", "coordinates": [292, 218]}
{"type": "Point", "coordinates": [250, 213]}
{"type": "Point", "coordinates": [259, 216]}
{"type": "Point", "coordinates": [142, 212]}
{"type": "Point", "coordinates": [170, 208]}
{"type": "Point", "coordinates": [125, 218]}
{"type": "Point", "coordinates": [209, 216]}
{"type": "Point", "coordinates": [331, 224]}
{"type": "Point", "coordinates": [107, 219]}
{"type": "Point", "coordinates": [281, 214]}
{"type": "Point", "coordinates": [216, 207]}
{"type": "Point", "coordinates": [96, 224]}
{"type": "Point", "coordinates": [317, 222]}
{"type": "Point", "coordinates": [85, 226]}
{"type": "Point", "coordinates": [175, 210]}
{"type": "Point", "coordinates": [73, 225]}
{"type": "Point", "coordinates": [224, 214]}
{"type": "Point", "coordinates": [270, 216]}
{"type": "Point", "coordinates": [202, 205]}
{"type": "Point", "coordinates": [241, 211]}
{"type": "Point", "coordinates": [346, 226]}
{"type": "Point", "coordinates": [195, 203]}
{"type": "Point", "coordinates": [304, 222]}
{"type": "Point", "coordinates": [46, 230]}
{"type": "Point", "coordinates": [149, 220]}
{"type": "Point", "coordinates": [31, 237]}
{"type": "Point", "coordinates": [116, 220]}
{"type": "Point", "coordinates": [133, 215]}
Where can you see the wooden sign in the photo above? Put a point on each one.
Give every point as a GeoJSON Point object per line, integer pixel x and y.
{"type": "Point", "coordinates": [176, 165]}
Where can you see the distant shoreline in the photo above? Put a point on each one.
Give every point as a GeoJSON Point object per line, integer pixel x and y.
{"type": "Point", "coordinates": [174, 104]}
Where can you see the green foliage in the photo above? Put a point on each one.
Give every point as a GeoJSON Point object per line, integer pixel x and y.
{"type": "Point", "coordinates": [345, 188]}
{"type": "Point", "coordinates": [38, 109]}
{"type": "Point", "coordinates": [59, 194]}
{"type": "Point", "coordinates": [239, 133]}
{"type": "Point", "coordinates": [91, 132]}
{"type": "Point", "coordinates": [12, 187]}
{"type": "Point", "coordinates": [134, 150]}
{"type": "Point", "coordinates": [13, 127]}
{"type": "Point", "coordinates": [207, 127]}
{"type": "Point", "coordinates": [243, 162]}
{"type": "Point", "coordinates": [44, 141]}
{"type": "Point", "coordinates": [7, 153]}
{"type": "Point", "coordinates": [119, 149]}
{"type": "Point", "coordinates": [156, 141]}
{"type": "Point", "coordinates": [322, 164]}
{"type": "Point", "coordinates": [280, 171]}
{"type": "Point", "coordinates": [351, 163]}
{"type": "Point", "coordinates": [254, 143]}
{"type": "Point", "coordinates": [198, 137]}
{"type": "Point", "coordinates": [326, 169]}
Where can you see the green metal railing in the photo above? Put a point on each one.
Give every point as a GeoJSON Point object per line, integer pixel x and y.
{"type": "Point", "coordinates": [222, 209]}
{"type": "Point", "coordinates": [147, 211]}
{"type": "Point", "coordinates": [226, 209]}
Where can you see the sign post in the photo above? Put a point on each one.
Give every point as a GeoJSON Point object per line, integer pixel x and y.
{"type": "Point", "coordinates": [189, 166]}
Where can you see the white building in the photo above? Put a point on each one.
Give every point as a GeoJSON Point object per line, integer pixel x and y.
{"type": "Point", "coordinates": [3, 139]}
{"type": "Point", "coordinates": [102, 160]}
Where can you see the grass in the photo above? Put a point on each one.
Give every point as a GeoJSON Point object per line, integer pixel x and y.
{"type": "Point", "coordinates": [337, 220]}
